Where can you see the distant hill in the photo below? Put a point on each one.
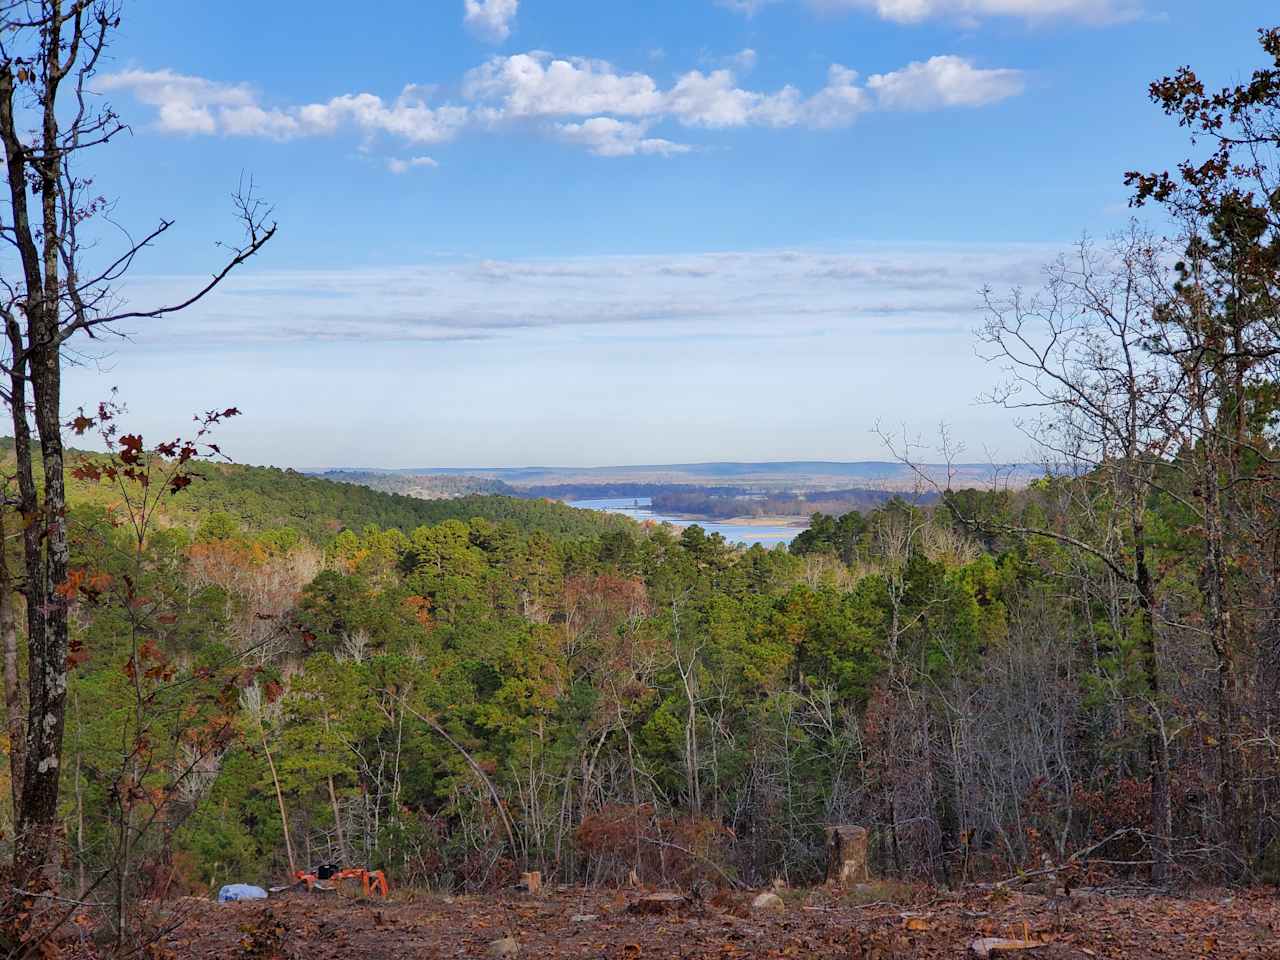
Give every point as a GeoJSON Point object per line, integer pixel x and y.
{"type": "Point", "coordinates": [264, 498]}
{"type": "Point", "coordinates": [424, 486]}
{"type": "Point", "coordinates": [830, 502]}
{"type": "Point", "coordinates": [766, 477]}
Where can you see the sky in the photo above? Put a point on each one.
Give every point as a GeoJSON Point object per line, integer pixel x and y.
{"type": "Point", "coordinates": [577, 232]}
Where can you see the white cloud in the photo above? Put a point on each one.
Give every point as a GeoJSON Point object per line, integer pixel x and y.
{"type": "Point", "coordinates": [185, 104]}
{"type": "Point", "coordinates": [608, 137]}
{"type": "Point", "coordinates": [409, 116]}
{"type": "Point", "coordinates": [735, 294]}
{"type": "Point", "coordinates": [943, 82]}
{"type": "Point", "coordinates": [539, 85]}
{"type": "Point", "coordinates": [397, 165]}
{"type": "Point", "coordinates": [498, 350]}
{"type": "Point", "coordinates": [194, 105]}
{"type": "Point", "coordinates": [534, 85]}
{"type": "Point", "coordinates": [712, 100]}
{"type": "Point", "coordinates": [490, 19]}
{"type": "Point", "coordinates": [838, 103]}
{"type": "Point", "coordinates": [576, 100]}
{"type": "Point", "coordinates": [915, 11]}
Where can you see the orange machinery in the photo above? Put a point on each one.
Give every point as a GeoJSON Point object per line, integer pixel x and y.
{"type": "Point", "coordinates": [371, 881]}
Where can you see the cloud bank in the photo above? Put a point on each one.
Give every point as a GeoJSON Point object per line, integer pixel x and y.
{"type": "Point", "coordinates": [739, 296]}
{"type": "Point", "coordinates": [577, 100]}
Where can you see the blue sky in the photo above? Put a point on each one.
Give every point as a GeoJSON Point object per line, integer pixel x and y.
{"type": "Point", "coordinates": [559, 231]}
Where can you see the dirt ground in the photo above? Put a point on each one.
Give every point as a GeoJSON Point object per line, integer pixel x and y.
{"type": "Point", "coordinates": [571, 923]}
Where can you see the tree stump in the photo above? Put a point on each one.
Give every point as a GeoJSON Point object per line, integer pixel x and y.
{"type": "Point", "coordinates": [531, 882]}
{"type": "Point", "coordinates": [847, 856]}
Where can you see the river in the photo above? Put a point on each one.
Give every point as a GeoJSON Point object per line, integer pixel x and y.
{"type": "Point", "coordinates": [748, 533]}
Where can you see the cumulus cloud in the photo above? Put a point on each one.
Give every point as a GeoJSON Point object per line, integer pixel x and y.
{"type": "Point", "coordinates": [194, 105]}
{"type": "Point", "coordinates": [608, 137]}
{"type": "Point", "coordinates": [398, 165]}
{"type": "Point", "coordinates": [838, 103]}
{"type": "Point", "coordinates": [184, 104]}
{"type": "Point", "coordinates": [575, 100]}
{"type": "Point", "coordinates": [943, 82]}
{"type": "Point", "coordinates": [714, 100]}
{"type": "Point", "coordinates": [490, 19]}
{"type": "Point", "coordinates": [539, 85]}
{"type": "Point", "coordinates": [531, 85]}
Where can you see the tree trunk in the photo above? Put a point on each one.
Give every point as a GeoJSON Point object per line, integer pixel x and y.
{"type": "Point", "coordinates": [337, 822]}
{"type": "Point", "coordinates": [1157, 744]}
{"type": "Point", "coordinates": [1218, 615]}
{"type": "Point", "coordinates": [47, 668]}
{"type": "Point", "coordinates": [337, 811]}
{"type": "Point", "coordinates": [284, 816]}
{"type": "Point", "coordinates": [691, 755]}
{"type": "Point", "coordinates": [15, 709]}
{"type": "Point", "coordinates": [1229, 780]}
{"type": "Point", "coordinates": [47, 628]}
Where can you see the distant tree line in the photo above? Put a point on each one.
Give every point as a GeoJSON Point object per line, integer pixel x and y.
{"type": "Point", "coordinates": [702, 503]}
{"type": "Point", "coordinates": [612, 491]}
{"type": "Point", "coordinates": [425, 486]}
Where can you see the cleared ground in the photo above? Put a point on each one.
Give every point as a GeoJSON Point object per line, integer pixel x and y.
{"type": "Point", "coordinates": [576, 923]}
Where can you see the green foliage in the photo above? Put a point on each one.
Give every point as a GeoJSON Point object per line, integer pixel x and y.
{"type": "Point", "coordinates": [225, 499]}
{"type": "Point", "coordinates": [413, 673]}
{"type": "Point", "coordinates": [840, 536]}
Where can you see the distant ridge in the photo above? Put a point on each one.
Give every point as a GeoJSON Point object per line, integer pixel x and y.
{"type": "Point", "coordinates": [761, 475]}
{"type": "Point", "coordinates": [424, 486]}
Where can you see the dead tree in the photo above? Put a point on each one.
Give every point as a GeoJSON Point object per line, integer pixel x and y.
{"type": "Point", "coordinates": [1075, 357]}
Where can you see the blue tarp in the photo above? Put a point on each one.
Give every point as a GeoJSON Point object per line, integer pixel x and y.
{"type": "Point", "coordinates": [241, 891]}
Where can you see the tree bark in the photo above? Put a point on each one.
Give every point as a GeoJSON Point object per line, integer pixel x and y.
{"type": "Point", "coordinates": [1157, 744]}
{"type": "Point", "coordinates": [847, 856]}
{"type": "Point", "coordinates": [284, 817]}
{"type": "Point", "coordinates": [1219, 615]}
{"type": "Point", "coordinates": [37, 362]}
{"type": "Point", "coordinates": [15, 707]}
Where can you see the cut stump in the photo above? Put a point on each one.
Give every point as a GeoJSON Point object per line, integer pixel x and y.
{"type": "Point", "coordinates": [531, 882]}
{"type": "Point", "coordinates": [847, 856]}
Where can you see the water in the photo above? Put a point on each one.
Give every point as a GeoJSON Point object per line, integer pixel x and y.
{"type": "Point", "coordinates": [640, 508]}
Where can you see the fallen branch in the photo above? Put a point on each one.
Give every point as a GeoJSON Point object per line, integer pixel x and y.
{"type": "Point", "coordinates": [1075, 858]}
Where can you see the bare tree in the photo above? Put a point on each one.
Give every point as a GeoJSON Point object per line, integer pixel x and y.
{"type": "Point", "coordinates": [1098, 405]}
{"type": "Point", "coordinates": [1221, 328]}
{"type": "Point", "coordinates": [60, 284]}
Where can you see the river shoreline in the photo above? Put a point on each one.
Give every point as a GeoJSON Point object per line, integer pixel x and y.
{"type": "Point", "coordinates": [766, 531]}
{"type": "Point", "coordinates": [798, 522]}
